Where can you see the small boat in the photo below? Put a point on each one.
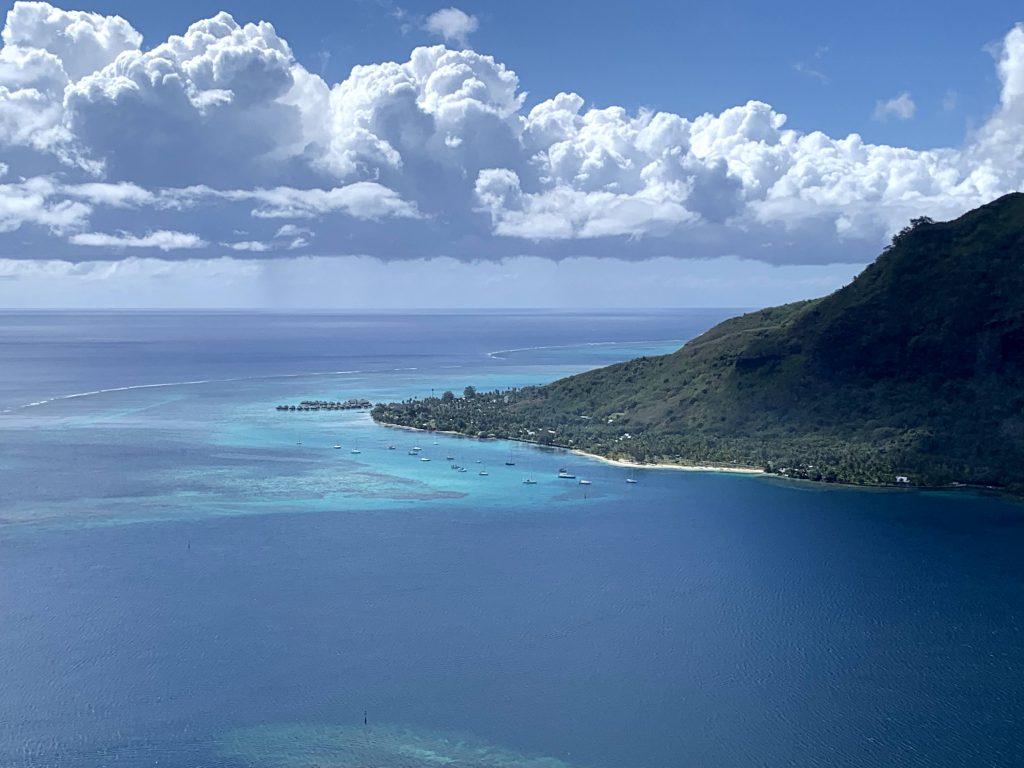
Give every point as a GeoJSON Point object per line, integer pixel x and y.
{"type": "Point", "coordinates": [510, 462]}
{"type": "Point", "coordinates": [483, 472]}
{"type": "Point", "coordinates": [391, 447]}
{"type": "Point", "coordinates": [424, 458]}
{"type": "Point", "coordinates": [355, 450]}
{"type": "Point", "coordinates": [584, 482]}
{"type": "Point", "coordinates": [463, 469]}
{"type": "Point", "coordinates": [416, 448]}
{"type": "Point", "coordinates": [435, 442]}
{"type": "Point", "coordinates": [565, 474]}
{"type": "Point", "coordinates": [631, 481]}
{"type": "Point", "coordinates": [449, 458]}
{"type": "Point", "coordinates": [337, 447]}
{"type": "Point", "coordinates": [413, 452]}
{"type": "Point", "coordinates": [299, 442]}
{"type": "Point", "coordinates": [529, 481]}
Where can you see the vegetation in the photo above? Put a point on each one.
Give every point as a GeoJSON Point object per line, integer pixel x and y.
{"type": "Point", "coordinates": [915, 369]}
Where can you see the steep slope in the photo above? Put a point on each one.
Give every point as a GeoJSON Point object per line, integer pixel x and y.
{"type": "Point", "coordinates": [915, 368]}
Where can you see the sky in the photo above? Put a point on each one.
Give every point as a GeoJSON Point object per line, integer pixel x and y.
{"type": "Point", "coordinates": [387, 154]}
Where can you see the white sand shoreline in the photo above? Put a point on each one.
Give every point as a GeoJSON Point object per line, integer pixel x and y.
{"type": "Point", "coordinates": [666, 465]}
{"type": "Point", "coordinates": [596, 457]}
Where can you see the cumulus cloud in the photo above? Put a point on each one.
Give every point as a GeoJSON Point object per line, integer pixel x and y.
{"type": "Point", "coordinates": [901, 107]}
{"type": "Point", "coordinates": [45, 50]}
{"type": "Point", "coordinates": [227, 102]}
{"type": "Point", "coordinates": [425, 127]}
{"type": "Point", "coordinates": [220, 128]}
{"type": "Point", "coordinates": [567, 213]}
{"type": "Point", "coordinates": [82, 42]}
{"type": "Point", "coordinates": [453, 25]}
{"type": "Point", "coordinates": [161, 239]}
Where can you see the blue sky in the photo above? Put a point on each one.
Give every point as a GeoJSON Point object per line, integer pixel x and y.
{"type": "Point", "coordinates": [730, 153]}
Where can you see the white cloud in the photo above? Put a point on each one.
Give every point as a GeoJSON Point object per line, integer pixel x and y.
{"type": "Point", "coordinates": [253, 246]}
{"type": "Point", "coordinates": [82, 42]}
{"type": "Point", "coordinates": [361, 200]}
{"type": "Point", "coordinates": [452, 24]}
{"type": "Point", "coordinates": [223, 102]}
{"type": "Point", "coordinates": [293, 230]}
{"type": "Point", "coordinates": [34, 202]}
{"type": "Point", "coordinates": [565, 213]}
{"type": "Point", "coordinates": [425, 126]}
{"type": "Point", "coordinates": [901, 107]}
{"type": "Point", "coordinates": [45, 50]}
{"type": "Point", "coordinates": [163, 240]}
{"type": "Point", "coordinates": [228, 131]}
{"type": "Point", "coordinates": [121, 195]}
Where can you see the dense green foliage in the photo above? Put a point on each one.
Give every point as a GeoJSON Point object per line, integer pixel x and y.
{"type": "Point", "coordinates": [914, 369]}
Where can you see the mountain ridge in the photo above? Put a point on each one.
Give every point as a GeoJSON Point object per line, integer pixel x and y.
{"type": "Point", "coordinates": [914, 370]}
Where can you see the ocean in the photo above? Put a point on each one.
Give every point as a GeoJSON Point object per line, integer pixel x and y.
{"type": "Point", "coordinates": [191, 578]}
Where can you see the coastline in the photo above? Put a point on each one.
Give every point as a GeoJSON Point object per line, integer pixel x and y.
{"type": "Point", "coordinates": [667, 465]}
{"type": "Point", "coordinates": [596, 457]}
{"type": "Point", "coordinates": [727, 469]}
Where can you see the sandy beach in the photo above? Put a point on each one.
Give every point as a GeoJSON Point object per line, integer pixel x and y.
{"type": "Point", "coordinates": [594, 456]}
{"type": "Point", "coordinates": [682, 467]}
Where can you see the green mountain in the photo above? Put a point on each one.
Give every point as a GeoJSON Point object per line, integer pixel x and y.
{"type": "Point", "coordinates": [914, 369]}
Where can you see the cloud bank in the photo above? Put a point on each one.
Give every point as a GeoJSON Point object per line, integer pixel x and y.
{"type": "Point", "coordinates": [353, 282]}
{"type": "Point", "coordinates": [218, 140]}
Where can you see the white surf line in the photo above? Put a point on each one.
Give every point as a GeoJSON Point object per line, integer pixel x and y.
{"type": "Point", "coordinates": [498, 353]}
{"type": "Point", "coordinates": [193, 382]}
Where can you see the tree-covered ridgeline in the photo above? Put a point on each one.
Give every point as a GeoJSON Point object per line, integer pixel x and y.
{"type": "Point", "coordinates": [915, 370]}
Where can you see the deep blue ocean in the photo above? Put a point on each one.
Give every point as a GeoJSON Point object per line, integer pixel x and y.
{"type": "Point", "coordinates": [190, 578]}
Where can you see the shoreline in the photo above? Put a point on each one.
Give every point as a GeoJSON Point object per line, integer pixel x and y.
{"type": "Point", "coordinates": [624, 463]}
{"type": "Point", "coordinates": [726, 469]}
